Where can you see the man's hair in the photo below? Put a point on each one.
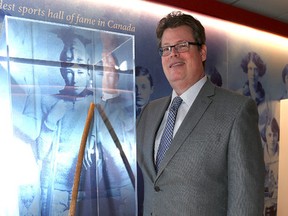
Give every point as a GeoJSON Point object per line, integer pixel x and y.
{"type": "Point", "coordinates": [142, 71]}
{"type": "Point", "coordinates": [176, 19]}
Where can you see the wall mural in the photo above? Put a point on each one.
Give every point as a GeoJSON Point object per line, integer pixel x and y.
{"type": "Point", "coordinates": [237, 60]}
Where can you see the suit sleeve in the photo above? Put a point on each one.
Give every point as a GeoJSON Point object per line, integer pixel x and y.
{"type": "Point", "coordinates": [245, 164]}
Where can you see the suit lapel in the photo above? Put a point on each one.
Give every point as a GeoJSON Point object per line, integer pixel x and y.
{"type": "Point", "coordinates": [195, 113]}
{"type": "Point", "coordinates": [157, 112]}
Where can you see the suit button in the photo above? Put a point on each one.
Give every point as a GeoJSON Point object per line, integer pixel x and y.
{"type": "Point", "coordinates": [157, 189]}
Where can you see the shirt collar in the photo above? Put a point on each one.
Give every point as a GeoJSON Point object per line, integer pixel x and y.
{"type": "Point", "coordinates": [191, 93]}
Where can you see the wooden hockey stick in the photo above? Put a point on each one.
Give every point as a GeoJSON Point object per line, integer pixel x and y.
{"type": "Point", "coordinates": [79, 164]}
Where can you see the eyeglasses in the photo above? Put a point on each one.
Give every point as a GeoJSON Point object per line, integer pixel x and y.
{"type": "Point", "coordinates": [180, 48]}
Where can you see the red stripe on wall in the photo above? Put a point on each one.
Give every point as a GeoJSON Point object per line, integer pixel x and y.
{"type": "Point", "coordinates": [230, 13]}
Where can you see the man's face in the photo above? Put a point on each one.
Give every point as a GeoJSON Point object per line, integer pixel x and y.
{"type": "Point", "coordinates": [110, 74]}
{"type": "Point", "coordinates": [272, 139]}
{"type": "Point", "coordinates": [143, 90]}
{"type": "Point", "coordinates": [75, 74]}
{"type": "Point", "coordinates": [182, 69]}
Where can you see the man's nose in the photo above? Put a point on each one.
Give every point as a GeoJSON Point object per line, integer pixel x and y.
{"type": "Point", "coordinates": [174, 51]}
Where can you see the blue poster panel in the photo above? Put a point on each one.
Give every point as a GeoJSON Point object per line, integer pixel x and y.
{"type": "Point", "coordinates": [58, 57]}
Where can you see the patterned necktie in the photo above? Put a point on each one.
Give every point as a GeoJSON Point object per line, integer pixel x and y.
{"type": "Point", "coordinates": [167, 135]}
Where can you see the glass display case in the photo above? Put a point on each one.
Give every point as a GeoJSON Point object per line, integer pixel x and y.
{"type": "Point", "coordinates": [49, 75]}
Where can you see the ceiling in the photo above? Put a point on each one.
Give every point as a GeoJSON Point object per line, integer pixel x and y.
{"type": "Point", "coordinates": [275, 9]}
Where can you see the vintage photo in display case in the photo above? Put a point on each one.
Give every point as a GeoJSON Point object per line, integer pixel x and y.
{"type": "Point", "coordinates": [50, 74]}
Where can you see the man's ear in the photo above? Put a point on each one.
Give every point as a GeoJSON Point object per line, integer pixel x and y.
{"type": "Point", "coordinates": [203, 52]}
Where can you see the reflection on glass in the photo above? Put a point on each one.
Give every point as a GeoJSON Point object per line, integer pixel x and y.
{"type": "Point", "coordinates": [53, 73]}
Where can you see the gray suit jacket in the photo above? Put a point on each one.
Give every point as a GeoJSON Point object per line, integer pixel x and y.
{"type": "Point", "coordinates": [214, 166]}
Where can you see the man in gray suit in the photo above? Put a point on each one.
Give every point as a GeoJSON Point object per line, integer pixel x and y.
{"type": "Point", "coordinates": [214, 165]}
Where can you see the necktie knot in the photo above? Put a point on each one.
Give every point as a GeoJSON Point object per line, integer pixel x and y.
{"type": "Point", "coordinates": [176, 103]}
